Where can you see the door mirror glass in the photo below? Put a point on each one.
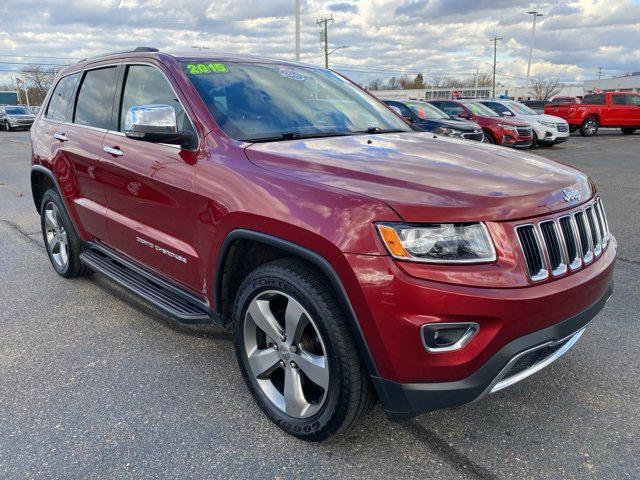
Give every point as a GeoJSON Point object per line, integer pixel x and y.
{"type": "Point", "coordinates": [507, 113]}
{"type": "Point", "coordinates": [155, 123]}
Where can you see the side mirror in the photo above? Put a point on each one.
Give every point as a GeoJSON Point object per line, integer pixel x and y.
{"type": "Point", "coordinates": [396, 109]}
{"type": "Point", "coordinates": [155, 123]}
{"type": "Point", "coordinates": [507, 113]}
{"type": "Point", "coordinates": [464, 115]}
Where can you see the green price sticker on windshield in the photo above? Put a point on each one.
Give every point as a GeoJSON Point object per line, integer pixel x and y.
{"type": "Point", "coordinates": [204, 68]}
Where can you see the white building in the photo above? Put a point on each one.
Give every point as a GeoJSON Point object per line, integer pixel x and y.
{"type": "Point", "coordinates": [628, 83]}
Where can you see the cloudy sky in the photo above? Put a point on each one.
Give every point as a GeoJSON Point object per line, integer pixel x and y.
{"type": "Point", "coordinates": [435, 37]}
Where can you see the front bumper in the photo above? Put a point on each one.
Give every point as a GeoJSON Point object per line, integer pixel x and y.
{"type": "Point", "coordinates": [402, 402]}
{"type": "Point", "coordinates": [551, 136]}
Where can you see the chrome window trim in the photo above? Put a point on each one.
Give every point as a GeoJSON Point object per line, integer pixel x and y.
{"type": "Point", "coordinates": [472, 329]}
{"type": "Point", "coordinates": [499, 383]}
{"type": "Point", "coordinates": [543, 273]}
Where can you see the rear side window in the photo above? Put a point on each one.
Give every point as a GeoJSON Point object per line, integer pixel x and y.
{"type": "Point", "coordinates": [146, 85]}
{"type": "Point", "coordinates": [95, 99]}
{"type": "Point", "coordinates": [633, 100]}
{"type": "Point", "coordinates": [450, 108]}
{"type": "Point", "coordinates": [58, 107]}
{"type": "Point", "coordinates": [598, 99]}
{"type": "Point", "coordinates": [619, 99]}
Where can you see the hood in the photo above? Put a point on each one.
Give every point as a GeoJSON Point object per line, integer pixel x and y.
{"type": "Point", "coordinates": [21, 116]}
{"type": "Point", "coordinates": [539, 118]}
{"type": "Point", "coordinates": [464, 125]}
{"type": "Point", "coordinates": [427, 179]}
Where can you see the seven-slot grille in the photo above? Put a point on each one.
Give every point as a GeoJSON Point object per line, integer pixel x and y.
{"type": "Point", "coordinates": [525, 131]}
{"type": "Point", "coordinates": [557, 245]}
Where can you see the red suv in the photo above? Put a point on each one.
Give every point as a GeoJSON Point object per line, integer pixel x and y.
{"type": "Point", "coordinates": [354, 258]}
{"type": "Point", "coordinates": [497, 129]}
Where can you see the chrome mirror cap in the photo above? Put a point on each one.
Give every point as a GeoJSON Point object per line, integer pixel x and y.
{"type": "Point", "coordinates": [145, 119]}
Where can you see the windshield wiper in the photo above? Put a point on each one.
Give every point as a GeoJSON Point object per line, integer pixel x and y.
{"type": "Point", "coordinates": [294, 136]}
{"type": "Point", "coordinates": [377, 130]}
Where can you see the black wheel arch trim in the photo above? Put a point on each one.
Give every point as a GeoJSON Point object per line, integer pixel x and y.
{"type": "Point", "coordinates": [45, 171]}
{"type": "Point", "coordinates": [314, 258]}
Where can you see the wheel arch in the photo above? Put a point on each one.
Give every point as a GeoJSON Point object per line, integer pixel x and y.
{"type": "Point", "coordinates": [230, 259]}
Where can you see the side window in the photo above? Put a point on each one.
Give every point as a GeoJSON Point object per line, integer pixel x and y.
{"type": "Point", "coordinates": [496, 107]}
{"type": "Point", "coordinates": [404, 111]}
{"type": "Point", "coordinates": [451, 109]}
{"type": "Point", "coordinates": [146, 85]}
{"type": "Point", "coordinates": [633, 100]}
{"type": "Point", "coordinates": [619, 99]}
{"type": "Point", "coordinates": [95, 99]}
{"type": "Point", "coordinates": [598, 99]}
{"type": "Point", "coordinates": [58, 107]}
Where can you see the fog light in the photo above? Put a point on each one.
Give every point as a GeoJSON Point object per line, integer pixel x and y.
{"type": "Point", "coordinates": [447, 337]}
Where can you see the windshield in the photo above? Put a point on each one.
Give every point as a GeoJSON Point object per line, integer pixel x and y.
{"type": "Point", "coordinates": [426, 111]}
{"type": "Point", "coordinates": [521, 108]}
{"type": "Point", "coordinates": [265, 102]}
{"type": "Point", "coordinates": [17, 111]}
{"type": "Point", "coordinates": [480, 110]}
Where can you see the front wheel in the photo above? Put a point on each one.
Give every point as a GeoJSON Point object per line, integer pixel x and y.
{"type": "Point", "coordinates": [7, 127]}
{"type": "Point", "coordinates": [589, 127]}
{"type": "Point", "coordinates": [489, 138]}
{"type": "Point", "coordinates": [628, 131]}
{"type": "Point", "coordinates": [296, 352]}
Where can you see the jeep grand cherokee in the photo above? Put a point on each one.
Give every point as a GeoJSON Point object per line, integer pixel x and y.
{"type": "Point", "coordinates": [354, 258]}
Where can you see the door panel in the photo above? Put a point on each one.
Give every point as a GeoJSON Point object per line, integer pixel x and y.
{"type": "Point", "coordinates": [152, 210]}
{"type": "Point", "coordinates": [77, 164]}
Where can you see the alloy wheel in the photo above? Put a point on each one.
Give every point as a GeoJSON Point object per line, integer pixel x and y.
{"type": "Point", "coordinates": [591, 127]}
{"type": "Point", "coordinates": [286, 354]}
{"type": "Point", "coordinates": [56, 236]}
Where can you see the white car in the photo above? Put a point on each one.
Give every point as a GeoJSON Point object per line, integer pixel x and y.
{"type": "Point", "coordinates": [548, 130]}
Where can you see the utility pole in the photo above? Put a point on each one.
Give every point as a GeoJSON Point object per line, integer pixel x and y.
{"type": "Point", "coordinates": [297, 30]}
{"type": "Point", "coordinates": [599, 73]}
{"type": "Point", "coordinates": [324, 37]}
{"type": "Point", "coordinates": [533, 36]}
{"type": "Point", "coordinates": [495, 55]}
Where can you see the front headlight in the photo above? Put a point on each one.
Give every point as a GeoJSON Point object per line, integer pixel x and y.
{"type": "Point", "coordinates": [508, 127]}
{"type": "Point", "coordinates": [438, 243]}
{"type": "Point", "coordinates": [447, 132]}
{"type": "Point", "coordinates": [547, 124]}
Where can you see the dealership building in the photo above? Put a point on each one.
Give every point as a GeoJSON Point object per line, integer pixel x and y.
{"type": "Point", "coordinates": [628, 83]}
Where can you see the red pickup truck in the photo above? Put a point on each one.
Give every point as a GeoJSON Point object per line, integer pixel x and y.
{"type": "Point", "coordinates": [611, 110]}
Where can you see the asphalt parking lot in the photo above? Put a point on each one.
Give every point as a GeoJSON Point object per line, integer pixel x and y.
{"type": "Point", "coordinates": [96, 384]}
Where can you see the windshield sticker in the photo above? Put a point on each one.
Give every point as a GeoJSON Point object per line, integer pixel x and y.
{"type": "Point", "coordinates": [292, 74]}
{"type": "Point", "coordinates": [204, 68]}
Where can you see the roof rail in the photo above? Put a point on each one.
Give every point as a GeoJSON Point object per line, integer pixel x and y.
{"type": "Point", "coordinates": [135, 50]}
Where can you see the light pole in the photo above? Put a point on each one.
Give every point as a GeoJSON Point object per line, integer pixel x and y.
{"type": "Point", "coordinates": [297, 30]}
{"type": "Point", "coordinates": [495, 54]}
{"type": "Point", "coordinates": [533, 36]}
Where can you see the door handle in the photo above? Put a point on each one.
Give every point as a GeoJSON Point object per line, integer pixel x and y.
{"type": "Point", "coordinates": [60, 136]}
{"type": "Point", "coordinates": [116, 152]}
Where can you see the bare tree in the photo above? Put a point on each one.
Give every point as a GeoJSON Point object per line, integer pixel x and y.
{"type": "Point", "coordinates": [544, 89]}
{"type": "Point", "coordinates": [38, 81]}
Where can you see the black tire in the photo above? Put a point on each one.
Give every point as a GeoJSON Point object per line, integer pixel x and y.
{"type": "Point", "coordinates": [488, 136]}
{"type": "Point", "coordinates": [628, 131]}
{"type": "Point", "coordinates": [589, 127]}
{"type": "Point", "coordinates": [7, 127]}
{"type": "Point", "coordinates": [573, 128]}
{"type": "Point", "coordinates": [349, 395]}
{"type": "Point", "coordinates": [73, 267]}
{"type": "Point", "coordinates": [534, 143]}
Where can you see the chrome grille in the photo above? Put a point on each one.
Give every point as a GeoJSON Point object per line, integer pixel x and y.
{"type": "Point", "coordinates": [554, 246]}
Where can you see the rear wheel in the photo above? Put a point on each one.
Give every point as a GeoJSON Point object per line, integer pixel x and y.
{"type": "Point", "coordinates": [296, 352]}
{"type": "Point", "coordinates": [589, 127]}
{"type": "Point", "coordinates": [628, 131]}
{"type": "Point", "coordinates": [61, 241]}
